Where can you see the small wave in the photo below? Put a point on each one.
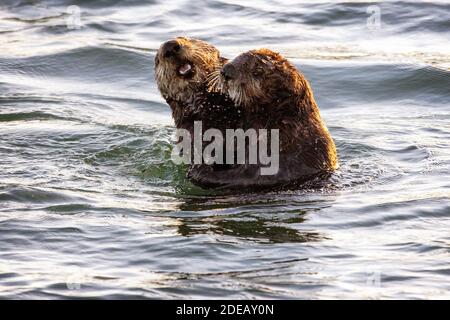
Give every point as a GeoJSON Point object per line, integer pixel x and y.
{"type": "Point", "coordinates": [24, 116]}
{"type": "Point", "coordinates": [34, 195]}
{"type": "Point", "coordinates": [348, 83]}
{"type": "Point", "coordinates": [83, 63]}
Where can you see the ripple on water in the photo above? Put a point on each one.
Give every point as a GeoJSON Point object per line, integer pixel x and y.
{"type": "Point", "coordinates": [91, 205]}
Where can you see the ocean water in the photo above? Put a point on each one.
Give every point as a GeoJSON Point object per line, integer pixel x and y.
{"type": "Point", "coordinates": [92, 207]}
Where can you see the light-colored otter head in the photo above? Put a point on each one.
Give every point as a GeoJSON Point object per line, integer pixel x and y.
{"type": "Point", "coordinates": [183, 65]}
{"type": "Point", "coordinates": [260, 77]}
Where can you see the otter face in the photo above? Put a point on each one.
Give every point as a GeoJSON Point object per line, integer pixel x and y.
{"type": "Point", "coordinates": [182, 65]}
{"type": "Point", "coordinates": [258, 77]}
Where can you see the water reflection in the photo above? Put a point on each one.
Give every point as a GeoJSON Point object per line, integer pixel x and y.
{"type": "Point", "coordinates": [257, 230]}
{"type": "Point", "coordinates": [89, 196]}
{"type": "Point", "coordinates": [258, 218]}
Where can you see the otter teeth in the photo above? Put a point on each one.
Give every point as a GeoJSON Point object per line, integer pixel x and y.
{"type": "Point", "coordinates": [185, 69]}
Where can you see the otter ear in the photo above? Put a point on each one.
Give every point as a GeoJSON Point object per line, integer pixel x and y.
{"type": "Point", "coordinates": [223, 60]}
{"type": "Point", "coordinates": [258, 71]}
{"type": "Point", "coordinates": [283, 91]}
{"type": "Point", "coordinates": [269, 64]}
{"type": "Point", "coordinates": [283, 94]}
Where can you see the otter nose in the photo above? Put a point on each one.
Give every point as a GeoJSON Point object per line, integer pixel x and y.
{"type": "Point", "coordinates": [228, 71]}
{"type": "Point", "coordinates": [170, 48]}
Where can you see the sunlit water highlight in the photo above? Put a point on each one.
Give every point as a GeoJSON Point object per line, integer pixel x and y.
{"type": "Point", "coordinates": [92, 206]}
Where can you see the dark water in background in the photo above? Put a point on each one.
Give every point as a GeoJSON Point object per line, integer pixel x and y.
{"type": "Point", "coordinates": [91, 206]}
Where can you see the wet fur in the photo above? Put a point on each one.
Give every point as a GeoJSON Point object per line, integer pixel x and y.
{"type": "Point", "coordinates": [275, 95]}
{"type": "Point", "coordinates": [283, 100]}
{"type": "Point", "coordinates": [197, 98]}
{"type": "Point", "coordinates": [205, 58]}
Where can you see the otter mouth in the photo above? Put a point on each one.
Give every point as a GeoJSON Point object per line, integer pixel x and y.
{"type": "Point", "coordinates": [185, 70]}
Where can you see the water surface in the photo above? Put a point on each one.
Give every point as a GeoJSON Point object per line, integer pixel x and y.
{"type": "Point", "coordinates": [92, 206]}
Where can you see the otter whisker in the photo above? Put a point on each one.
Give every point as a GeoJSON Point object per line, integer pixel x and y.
{"type": "Point", "coordinates": [212, 81]}
{"type": "Point", "coordinates": [212, 75]}
{"type": "Point", "coordinates": [198, 56]}
{"type": "Point", "coordinates": [212, 87]}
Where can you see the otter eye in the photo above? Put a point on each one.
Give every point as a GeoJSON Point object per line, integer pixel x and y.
{"type": "Point", "coordinates": [258, 71]}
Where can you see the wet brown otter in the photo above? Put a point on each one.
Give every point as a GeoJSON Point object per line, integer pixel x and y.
{"type": "Point", "coordinates": [183, 70]}
{"type": "Point", "coordinates": [275, 95]}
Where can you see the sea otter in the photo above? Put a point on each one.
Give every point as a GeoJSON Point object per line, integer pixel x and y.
{"type": "Point", "coordinates": [275, 95]}
{"type": "Point", "coordinates": [183, 68]}
{"type": "Point", "coordinates": [186, 71]}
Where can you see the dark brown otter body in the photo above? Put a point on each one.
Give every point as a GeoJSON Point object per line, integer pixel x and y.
{"type": "Point", "coordinates": [276, 96]}
{"type": "Point", "coordinates": [183, 70]}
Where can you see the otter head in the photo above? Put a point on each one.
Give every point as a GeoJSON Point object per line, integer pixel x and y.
{"type": "Point", "coordinates": [260, 77]}
{"type": "Point", "coordinates": [183, 65]}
